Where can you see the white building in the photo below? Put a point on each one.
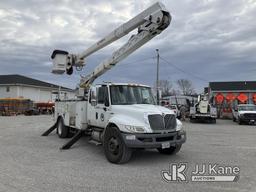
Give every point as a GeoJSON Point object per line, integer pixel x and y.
{"type": "Point", "coordinates": [18, 86]}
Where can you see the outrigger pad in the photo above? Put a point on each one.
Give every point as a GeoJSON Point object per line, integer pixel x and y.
{"type": "Point", "coordinates": [46, 133]}
{"type": "Point", "coordinates": [74, 139]}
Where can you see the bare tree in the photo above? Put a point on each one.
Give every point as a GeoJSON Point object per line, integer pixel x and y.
{"type": "Point", "coordinates": [175, 92]}
{"type": "Point", "coordinates": [165, 86]}
{"type": "Point", "coordinates": [186, 86]}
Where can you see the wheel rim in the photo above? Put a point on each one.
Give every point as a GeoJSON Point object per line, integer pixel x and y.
{"type": "Point", "coordinates": [113, 145]}
{"type": "Point", "coordinates": [59, 128]}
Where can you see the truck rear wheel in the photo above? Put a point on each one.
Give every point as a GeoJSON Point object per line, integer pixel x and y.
{"type": "Point", "coordinates": [114, 147]}
{"type": "Point", "coordinates": [62, 130]}
{"type": "Point", "coordinates": [170, 151]}
{"type": "Point", "coordinates": [213, 121]}
{"type": "Point", "coordinates": [191, 120]}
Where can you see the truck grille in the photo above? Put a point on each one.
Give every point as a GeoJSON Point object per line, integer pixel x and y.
{"type": "Point", "coordinates": [162, 122]}
{"type": "Point", "coordinates": [170, 121]}
{"type": "Point", "coordinates": [250, 116]}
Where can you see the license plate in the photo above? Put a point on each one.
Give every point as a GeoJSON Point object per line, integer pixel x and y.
{"type": "Point", "coordinates": [165, 145]}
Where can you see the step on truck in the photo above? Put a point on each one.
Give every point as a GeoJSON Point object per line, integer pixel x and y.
{"type": "Point", "coordinates": [120, 116]}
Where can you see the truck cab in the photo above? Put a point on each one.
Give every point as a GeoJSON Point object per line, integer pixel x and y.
{"type": "Point", "coordinates": [123, 117]}
{"type": "Point", "coordinates": [131, 107]}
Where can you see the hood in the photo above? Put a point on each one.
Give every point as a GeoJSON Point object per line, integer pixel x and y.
{"type": "Point", "coordinates": [136, 115]}
{"type": "Point", "coordinates": [141, 108]}
{"type": "Point", "coordinates": [250, 112]}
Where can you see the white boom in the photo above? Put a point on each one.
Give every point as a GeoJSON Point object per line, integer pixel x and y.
{"type": "Point", "coordinates": [150, 23]}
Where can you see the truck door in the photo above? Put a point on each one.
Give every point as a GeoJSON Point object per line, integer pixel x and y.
{"type": "Point", "coordinates": [102, 107]}
{"type": "Point", "coordinates": [98, 110]}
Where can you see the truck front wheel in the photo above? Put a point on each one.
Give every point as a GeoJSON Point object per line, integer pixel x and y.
{"type": "Point", "coordinates": [62, 130]}
{"type": "Point", "coordinates": [170, 151]}
{"type": "Point", "coordinates": [239, 121]}
{"type": "Point", "coordinates": [114, 147]}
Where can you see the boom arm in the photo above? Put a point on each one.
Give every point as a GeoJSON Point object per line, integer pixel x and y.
{"type": "Point", "coordinates": [150, 23]}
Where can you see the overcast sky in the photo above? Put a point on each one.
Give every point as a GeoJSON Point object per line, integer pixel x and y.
{"type": "Point", "coordinates": [208, 40]}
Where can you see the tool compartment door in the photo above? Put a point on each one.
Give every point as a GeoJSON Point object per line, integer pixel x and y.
{"type": "Point", "coordinates": [81, 115]}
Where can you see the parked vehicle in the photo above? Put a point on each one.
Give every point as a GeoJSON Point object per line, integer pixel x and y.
{"type": "Point", "coordinates": [203, 110]}
{"type": "Point", "coordinates": [244, 113]}
{"type": "Point", "coordinates": [175, 110]}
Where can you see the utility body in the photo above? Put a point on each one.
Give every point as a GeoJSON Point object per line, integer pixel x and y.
{"type": "Point", "coordinates": [120, 116]}
{"type": "Point", "coordinates": [203, 110]}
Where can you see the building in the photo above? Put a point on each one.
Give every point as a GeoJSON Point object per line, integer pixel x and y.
{"type": "Point", "coordinates": [18, 86]}
{"type": "Point", "coordinates": [227, 95]}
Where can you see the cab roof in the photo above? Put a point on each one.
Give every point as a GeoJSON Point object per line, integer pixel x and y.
{"type": "Point", "coordinates": [126, 84]}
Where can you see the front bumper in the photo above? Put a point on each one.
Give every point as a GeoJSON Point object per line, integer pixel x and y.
{"type": "Point", "coordinates": [248, 120]}
{"type": "Point", "coordinates": [203, 116]}
{"type": "Point", "coordinates": [154, 140]}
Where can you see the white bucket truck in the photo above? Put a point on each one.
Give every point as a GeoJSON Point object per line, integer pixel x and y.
{"type": "Point", "coordinates": [120, 116]}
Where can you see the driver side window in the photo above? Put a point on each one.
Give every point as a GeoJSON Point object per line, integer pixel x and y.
{"type": "Point", "coordinates": [102, 95]}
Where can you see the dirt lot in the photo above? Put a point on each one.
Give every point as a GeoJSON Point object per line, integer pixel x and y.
{"type": "Point", "coordinates": [31, 163]}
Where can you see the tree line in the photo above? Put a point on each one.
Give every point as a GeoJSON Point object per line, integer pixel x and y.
{"type": "Point", "coordinates": [184, 87]}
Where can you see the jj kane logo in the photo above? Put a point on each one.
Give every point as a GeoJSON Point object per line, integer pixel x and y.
{"type": "Point", "coordinates": [201, 173]}
{"type": "Point", "coordinates": [175, 173]}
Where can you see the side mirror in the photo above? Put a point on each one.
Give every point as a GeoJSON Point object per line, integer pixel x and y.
{"type": "Point", "coordinates": [106, 102]}
{"type": "Point", "coordinates": [93, 102]}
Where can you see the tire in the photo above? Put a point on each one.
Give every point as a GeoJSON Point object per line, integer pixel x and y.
{"type": "Point", "coordinates": [62, 130]}
{"type": "Point", "coordinates": [192, 120]}
{"type": "Point", "coordinates": [239, 121]}
{"type": "Point", "coordinates": [114, 147]}
{"type": "Point", "coordinates": [170, 151]}
{"type": "Point", "coordinates": [214, 121]}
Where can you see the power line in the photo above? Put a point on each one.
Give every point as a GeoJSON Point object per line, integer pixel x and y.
{"type": "Point", "coordinates": [138, 61]}
{"type": "Point", "coordinates": [179, 69]}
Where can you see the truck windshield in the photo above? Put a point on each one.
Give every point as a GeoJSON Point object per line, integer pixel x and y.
{"type": "Point", "coordinates": [247, 108]}
{"type": "Point", "coordinates": [128, 95]}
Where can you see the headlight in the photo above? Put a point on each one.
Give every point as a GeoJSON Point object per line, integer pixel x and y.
{"type": "Point", "coordinates": [135, 129]}
{"type": "Point", "coordinates": [241, 115]}
{"type": "Point", "coordinates": [146, 118]}
{"type": "Point", "coordinates": [179, 125]}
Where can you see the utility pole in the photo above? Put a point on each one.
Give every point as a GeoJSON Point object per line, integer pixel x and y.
{"type": "Point", "coordinates": [157, 77]}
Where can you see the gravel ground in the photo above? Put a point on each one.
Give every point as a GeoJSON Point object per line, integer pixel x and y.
{"type": "Point", "coordinates": [31, 163]}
